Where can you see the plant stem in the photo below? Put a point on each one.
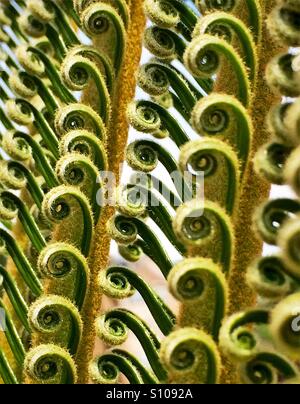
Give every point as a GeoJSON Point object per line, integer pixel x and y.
{"type": "Point", "coordinates": [255, 189]}
{"type": "Point", "coordinates": [117, 141]}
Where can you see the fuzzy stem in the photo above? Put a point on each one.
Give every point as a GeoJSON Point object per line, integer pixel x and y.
{"type": "Point", "coordinates": [117, 140]}
{"type": "Point", "coordinates": [255, 190]}
{"type": "Point", "coordinates": [249, 246]}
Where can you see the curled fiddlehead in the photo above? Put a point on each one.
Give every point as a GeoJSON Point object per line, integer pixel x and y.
{"type": "Point", "coordinates": [291, 121]}
{"type": "Point", "coordinates": [227, 27]}
{"type": "Point", "coordinates": [23, 145]}
{"type": "Point", "coordinates": [77, 71]}
{"type": "Point", "coordinates": [113, 326]}
{"type": "Point", "coordinates": [267, 368]}
{"type": "Point", "coordinates": [79, 117]}
{"type": "Point", "coordinates": [283, 23]}
{"type": "Point", "coordinates": [122, 230]}
{"type": "Point", "coordinates": [191, 356]}
{"type": "Point", "coordinates": [270, 161]}
{"type": "Point", "coordinates": [132, 200]}
{"type": "Point", "coordinates": [100, 59]}
{"type": "Point", "coordinates": [238, 340]}
{"type": "Point", "coordinates": [167, 45]}
{"type": "Point", "coordinates": [223, 116]}
{"type": "Point", "coordinates": [86, 143]}
{"type": "Point", "coordinates": [203, 59]}
{"type": "Point", "coordinates": [12, 206]}
{"type": "Point", "coordinates": [16, 147]}
{"type": "Point", "coordinates": [107, 368]}
{"type": "Point", "coordinates": [210, 5]}
{"type": "Point", "coordinates": [136, 200]}
{"type": "Point", "coordinates": [10, 177]}
{"type": "Point", "coordinates": [276, 123]}
{"type": "Point", "coordinates": [202, 228]}
{"type": "Point", "coordinates": [156, 77]}
{"type": "Point", "coordinates": [46, 12]}
{"type": "Point", "coordinates": [284, 325]}
{"type": "Point", "coordinates": [27, 86]}
{"type": "Point", "coordinates": [98, 19]}
{"type": "Point", "coordinates": [254, 11]}
{"type": "Point", "coordinates": [201, 286]}
{"type": "Point", "coordinates": [31, 26]}
{"type": "Point", "coordinates": [219, 165]}
{"type": "Point", "coordinates": [29, 61]}
{"type": "Point", "coordinates": [292, 170]}
{"type": "Point", "coordinates": [50, 364]}
{"type": "Point", "coordinates": [288, 240]}
{"type": "Point", "coordinates": [268, 276]}
{"type": "Point", "coordinates": [41, 9]}
{"type": "Point", "coordinates": [131, 253]}
{"type": "Point", "coordinates": [64, 265]}
{"type": "Point", "coordinates": [149, 117]}
{"type": "Point", "coordinates": [144, 155]}
{"type": "Point", "coordinates": [24, 113]}
{"type": "Point", "coordinates": [79, 171]}
{"type": "Point", "coordinates": [164, 43]}
{"type": "Point", "coordinates": [281, 76]}
{"type": "Point", "coordinates": [49, 70]}
{"type": "Point", "coordinates": [171, 14]}
{"type": "Point", "coordinates": [17, 114]}
{"type": "Point", "coordinates": [22, 85]}
{"type": "Point", "coordinates": [47, 46]}
{"type": "Point", "coordinates": [56, 318]}
{"type": "Point", "coordinates": [120, 5]}
{"type": "Point", "coordinates": [162, 13]}
{"type": "Point", "coordinates": [270, 217]}
{"type": "Point", "coordinates": [121, 282]}
{"type": "Point", "coordinates": [15, 175]}
{"type": "Point", "coordinates": [80, 5]}
{"type": "Point", "coordinates": [125, 231]}
{"type": "Point", "coordinates": [63, 201]}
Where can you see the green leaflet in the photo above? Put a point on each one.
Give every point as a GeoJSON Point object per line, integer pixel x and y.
{"type": "Point", "coordinates": [203, 58]}
{"type": "Point", "coordinates": [201, 228]}
{"type": "Point", "coordinates": [56, 318]}
{"type": "Point", "coordinates": [113, 329]}
{"type": "Point", "coordinates": [201, 287]}
{"type": "Point", "coordinates": [223, 116]}
{"type": "Point", "coordinates": [120, 283]}
{"type": "Point", "coordinates": [220, 167]}
{"type": "Point", "coordinates": [49, 364]}
{"type": "Point", "coordinates": [191, 356]}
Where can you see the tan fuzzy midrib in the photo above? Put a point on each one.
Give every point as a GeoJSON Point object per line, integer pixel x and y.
{"type": "Point", "coordinates": [254, 190]}
{"type": "Point", "coordinates": [117, 141]}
